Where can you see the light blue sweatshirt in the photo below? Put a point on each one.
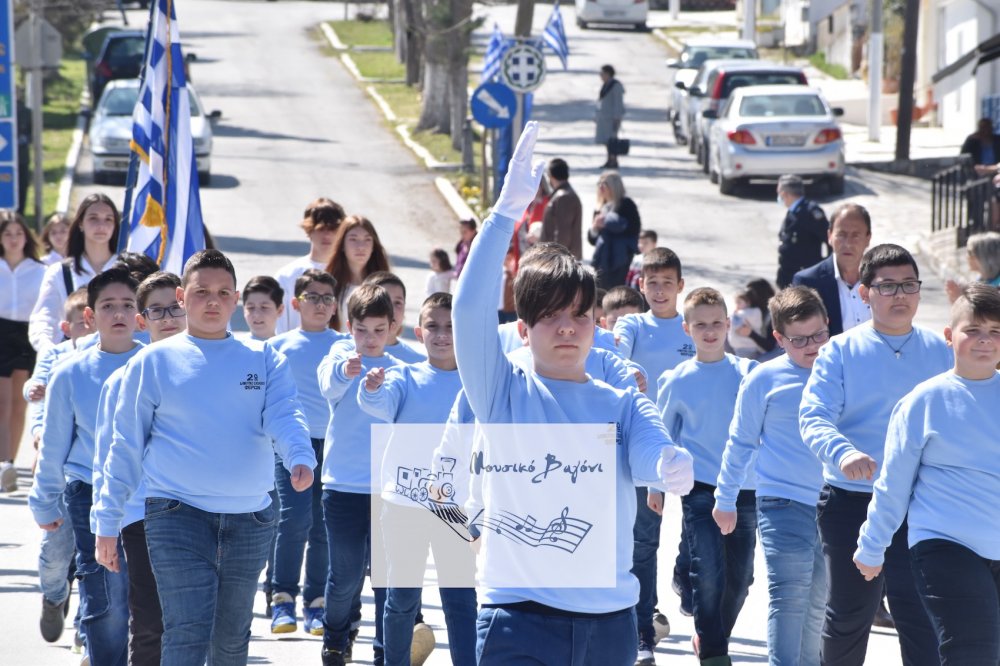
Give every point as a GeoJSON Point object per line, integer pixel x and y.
{"type": "Point", "coordinates": [304, 351]}
{"type": "Point", "coordinates": [49, 360]}
{"type": "Point", "coordinates": [656, 344]}
{"type": "Point", "coordinates": [696, 401]}
{"type": "Point", "coordinates": [67, 450]}
{"type": "Point", "coordinates": [348, 441]}
{"type": "Point", "coordinates": [766, 423]}
{"type": "Point", "coordinates": [941, 466]}
{"type": "Point", "coordinates": [200, 420]}
{"type": "Point", "coordinates": [415, 393]}
{"type": "Point", "coordinates": [404, 352]}
{"type": "Point", "coordinates": [501, 392]}
{"type": "Point", "coordinates": [855, 383]}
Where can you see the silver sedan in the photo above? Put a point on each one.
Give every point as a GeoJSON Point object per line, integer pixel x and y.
{"type": "Point", "coordinates": [766, 131]}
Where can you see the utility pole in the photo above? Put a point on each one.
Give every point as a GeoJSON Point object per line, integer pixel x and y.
{"type": "Point", "coordinates": [875, 48]}
{"type": "Point", "coordinates": [35, 98]}
{"type": "Point", "coordinates": [675, 9]}
{"type": "Point", "coordinates": [750, 20]}
{"type": "Point", "coordinates": [907, 74]}
{"type": "Point", "coordinates": [522, 30]}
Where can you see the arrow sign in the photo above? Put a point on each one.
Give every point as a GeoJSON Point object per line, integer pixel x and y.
{"type": "Point", "coordinates": [493, 105]}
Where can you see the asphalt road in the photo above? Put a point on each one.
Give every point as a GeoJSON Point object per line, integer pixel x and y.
{"type": "Point", "coordinates": [295, 126]}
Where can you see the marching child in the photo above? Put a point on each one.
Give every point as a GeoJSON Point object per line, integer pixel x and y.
{"type": "Point", "coordinates": [397, 292]}
{"type": "Point", "coordinates": [618, 302]}
{"type": "Point", "coordinates": [66, 459]}
{"type": "Point", "coordinates": [692, 399]}
{"type": "Point", "coordinates": [942, 476]}
{"type": "Point", "coordinates": [263, 306]}
{"type": "Point", "coordinates": [789, 477]}
{"type": "Point", "coordinates": [855, 383]}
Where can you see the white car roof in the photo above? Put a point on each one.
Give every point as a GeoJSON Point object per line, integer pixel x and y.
{"type": "Point", "coordinates": [776, 90]}
{"type": "Point", "coordinates": [716, 41]}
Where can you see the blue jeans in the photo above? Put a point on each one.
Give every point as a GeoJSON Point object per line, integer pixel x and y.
{"type": "Point", "coordinates": [645, 542]}
{"type": "Point", "coordinates": [509, 636]}
{"type": "Point", "coordinates": [55, 559]}
{"type": "Point", "coordinates": [796, 580]}
{"type": "Point", "coordinates": [300, 528]}
{"type": "Point", "coordinates": [103, 594]}
{"type": "Point", "coordinates": [721, 566]}
{"type": "Point", "coordinates": [269, 565]}
{"type": "Point", "coordinates": [206, 567]}
{"type": "Point", "coordinates": [961, 592]}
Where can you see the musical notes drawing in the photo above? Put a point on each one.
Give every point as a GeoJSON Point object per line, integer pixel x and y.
{"type": "Point", "coordinates": [565, 532]}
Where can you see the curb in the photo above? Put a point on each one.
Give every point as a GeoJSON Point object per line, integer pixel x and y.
{"type": "Point", "coordinates": [73, 156]}
{"type": "Point", "coordinates": [331, 36]}
{"type": "Point", "coordinates": [671, 43]}
{"type": "Point", "coordinates": [454, 199]}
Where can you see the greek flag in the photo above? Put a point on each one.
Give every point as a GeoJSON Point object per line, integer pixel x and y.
{"type": "Point", "coordinates": [555, 34]}
{"type": "Point", "coordinates": [165, 221]}
{"type": "Point", "coordinates": [494, 54]}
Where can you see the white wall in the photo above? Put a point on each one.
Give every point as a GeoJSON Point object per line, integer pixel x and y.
{"type": "Point", "coordinates": [952, 29]}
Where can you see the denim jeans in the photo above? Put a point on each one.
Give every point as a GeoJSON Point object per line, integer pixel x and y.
{"type": "Point", "coordinates": [300, 530]}
{"type": "Point", "coordinates": [961, 592]}
{"type": "Point", "coordinates": [269, 565]}
{"type": "Point", "coordinates": [796, 580]}
{"type": "Point", "coordinates": [645, 542]}
{"type": "Point", "coordinates": [146, 623]}
{"type": "Point", "coordinates": [206, 567]}
{"type": "Point", "coordinates": [508, 636]}
{"type": "Point", "coordinates": [56, 558]}
{"type": "Point", "coordinates": [721, 566]}
{"type": "Point", "coordinates": [103, 594]}
{"type": "Point", "coordinates": [852, 601]}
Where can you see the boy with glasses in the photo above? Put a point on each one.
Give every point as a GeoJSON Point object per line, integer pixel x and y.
{"type": "Point", "coordinates": [857, 379]}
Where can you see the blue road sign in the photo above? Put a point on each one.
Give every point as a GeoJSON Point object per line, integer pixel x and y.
{"type": "Point", "coordinates": [493, 105]}
{"type": "Point", "coordinates": [8, 109]}
{"type": "Point", "coordinates": [8, 142]}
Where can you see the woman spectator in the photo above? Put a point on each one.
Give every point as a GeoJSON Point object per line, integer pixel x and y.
{"type": "Point", "coordinates": [756, 295]}
{"type": "Point", "coordinates": [55, 239]}
{"type": "Point", "coordinates": [93, 241]}
{"type": "Point", "coordinates": [357, 253]}
{"type": "Point", "coordinates": [614, 232]}
{"type": "Point", "coordinates": [21, 276]}
{"type": "Point", "coordinates": [610, 111]}
{"type": "Point", "coordinates": [983, 251]}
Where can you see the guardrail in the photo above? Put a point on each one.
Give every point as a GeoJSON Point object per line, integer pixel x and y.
{"type": "Point", "coordinates": [962, 201]}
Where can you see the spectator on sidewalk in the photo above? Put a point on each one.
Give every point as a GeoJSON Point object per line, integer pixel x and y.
{"type": "Point", "coordinates": [610, 111]}
{"type": "Point", "coordinates": [563, 219]}
{"type": "Point", "coordinates": [983, 146]}
{"type": "Point", "coordinates": [614, 232]}
{"type": "Point", "coordinates": [803, 233]}
{"type": "Point", "coordinates": [984, 258]}
{"type": "Point", "coordinates": [466, 232]}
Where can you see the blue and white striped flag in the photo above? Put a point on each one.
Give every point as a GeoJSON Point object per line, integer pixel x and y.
{"type": "Point", "coordinates": [165, 222]}
{"type": "Point", "coordinates": [555, 34]}
{"type": "Point", "coordinates": [494, 54]}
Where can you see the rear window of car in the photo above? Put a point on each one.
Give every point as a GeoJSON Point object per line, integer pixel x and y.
{"type": "Point", "coordinates": [130, 47]}
{"type": "Point", "coordinates": [734, 80]}
{"type": "Point", "coordinates": [694, 56]}
{"type": "Point", "coordinates": [763, 106]}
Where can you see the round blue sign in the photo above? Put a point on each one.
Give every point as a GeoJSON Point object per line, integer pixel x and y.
{"type": "Point", "coordinates": [493, 105]}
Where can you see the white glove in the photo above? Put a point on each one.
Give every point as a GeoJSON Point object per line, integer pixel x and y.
{"type": "Point", "coordinates": [521, 183]}
{"type": "Point", "coordinates": [676, 470]}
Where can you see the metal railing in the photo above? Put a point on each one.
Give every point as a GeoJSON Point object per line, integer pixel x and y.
{"type": "Point", "coordinates": [962, 201]}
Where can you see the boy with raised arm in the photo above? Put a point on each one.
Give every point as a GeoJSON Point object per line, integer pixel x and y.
{"type": "Point", "coordinates": [198, 420]}
{"type": "Point", "coordinates": [855, 383]}
{"type": "Point", "coordinates": [942, 475]}
{"type": "Point", "coordinates": [555, 301]}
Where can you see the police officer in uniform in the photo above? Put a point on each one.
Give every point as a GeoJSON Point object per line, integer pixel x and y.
{"type": "Point", "coordinates": [803, 234]}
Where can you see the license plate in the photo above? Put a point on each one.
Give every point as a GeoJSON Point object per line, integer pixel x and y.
{"type": "Point", "coordinates": [785, 140]}
{"type": "Point", "coordinates": [610, 13]}
{"type": "Point", "coordinates": [116, 164]}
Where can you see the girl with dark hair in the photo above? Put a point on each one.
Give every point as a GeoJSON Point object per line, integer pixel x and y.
{"type": "Point", "coordinates": [21, 276]}
{"type": "Point", "coordinates": [55, 239]}
{"type": "Point", "coordinates": [439, 278]}
{"type": "Point", "coordinates": [357, 253]}
{"type": "Point", "coordinates": [93, 241]}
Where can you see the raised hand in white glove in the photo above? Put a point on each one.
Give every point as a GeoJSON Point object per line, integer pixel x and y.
{"type": "Point", "coordinates": [523, 176]}
{"type": "Point", "coordinates": [676, 470]}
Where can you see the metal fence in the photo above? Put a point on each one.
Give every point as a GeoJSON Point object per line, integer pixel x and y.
{"type": "Point", "coordinates": [962, 201]}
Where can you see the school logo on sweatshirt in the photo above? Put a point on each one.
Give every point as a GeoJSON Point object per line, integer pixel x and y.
{"type": "Point", "coordinates": [686, 349]}
{"type": "Point", "coordinates": [252, 382]}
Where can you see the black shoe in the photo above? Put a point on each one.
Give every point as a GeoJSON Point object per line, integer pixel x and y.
{"type": "Point", "coordinates": [351, 637]}
{"type": "Point", "coordinates": [883, 618]}
{"type": "Point", "coordinates": [53, 619]}
{"type": "Point", "coordinates": [333, 657]}
{"type": "Point", "coordinates": [267, 610]}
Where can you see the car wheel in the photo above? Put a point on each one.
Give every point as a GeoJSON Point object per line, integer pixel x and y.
{"type": "Point", "coordinates": [580, 23]}
{"type": "Point", "coordinates": [641, 27]}
{"type": "Point", "coordinates": [692, 147]}
{"type": "Point", "coordinates": [204, 178]}
{"type": "Point", "coordinates": [100, 178]}
{"type": "Point", "coordinates": [835, 185]}
{"type": "Point", "coordinates": [713, 171]}
{"type": "Point", "coordinates": [699, 155]}
{"type": "Point", "coordinates": [727, 185]}
{"type": "Point", "coordinates": [704, 157]}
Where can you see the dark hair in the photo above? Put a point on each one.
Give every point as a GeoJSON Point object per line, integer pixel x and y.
{"type": "Point", "coordinates": [383, 278]}
{"type": "Point", "coordinates": [608, 69]}
{"type": "Point", "coordinates": [138, 264]}
{"type": "Point", "coordinates": [442, 258]}
{"type": "Point", "coordinates": [369, 300]}
{"type": "Point", "coordinates": [313, 275]}
{"type": "Point", "coordinates": [77, 243]}
{"type": "Point", "coordinates": [549, 284]}
{"type": "Point", "coordinates": [54, 220]}
{"type": "Point", "coordinates": [101, 281]}
{"type": "Point", "coordinates": [8, 218]}
{"type": "Point", "coordinates": [599, 297]}
{"type": "Point", "coordinates": [75, 302]}
{"type": "Point", "coordinates": [703, 296]}
{"type": "Point", "coordinates": [649, 234]}
{"type": "Point", "coordinates": [338, 266]}
{"type": "Point", "coordinates": [469, 224]}
{"type": "Point", "coordinates": [794, 304]}
{"type": "Point", "coordinates": [439, 299]}
{"type": "Point", "coordinates": [757, 293]}
{"type": "Point", "coordinates": [558, 168]}
{"type": "Point", "coordinates": [158, 280]}
{"type": "Point", "coordinates": [978, 299]}
{"type": "Point", "coordinates": [660, 259]}
{"type": "Point", "coordinates": [322, 212]}
{"type": "Point", "coordinates": [267, 285]}
{"type": "Point", "coordinates": [207, 259]}
{"type": "Point", "coordinates": [621, 296]}
{"type": "Point", "coordinates": [852, 210]}
{"type": "Point", "coordinates": [883, 256]}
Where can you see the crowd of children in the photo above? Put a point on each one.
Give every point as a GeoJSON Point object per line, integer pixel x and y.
{"type": "Point", "coordinates": [180, 461]}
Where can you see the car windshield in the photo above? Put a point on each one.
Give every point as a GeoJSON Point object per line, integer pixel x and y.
{"type": "Point", "coordinates": [121, 101]}
{"type": "Point", "coordinates": [743, 79]}
{"type": "Point", "coordinates": [695, 56]}
{"type": "Point", "coordinates": [762, 106]}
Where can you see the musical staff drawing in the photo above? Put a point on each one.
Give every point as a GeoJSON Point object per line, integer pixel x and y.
{"type": "Point", "coordinates": [565, 532]}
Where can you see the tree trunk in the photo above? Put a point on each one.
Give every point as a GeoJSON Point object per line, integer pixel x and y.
{"type": "Point", "coordinates": [458, 57]}
{"type": "Point", "coordinates": [435, 114]}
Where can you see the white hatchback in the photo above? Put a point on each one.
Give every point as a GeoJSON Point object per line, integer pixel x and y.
{"type": "Point", "coordinates": [617, 12]}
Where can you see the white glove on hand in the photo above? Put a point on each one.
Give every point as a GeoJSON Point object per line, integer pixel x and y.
{"type": "Point", "coordinates": [521, 183]}
{"type": "Point", "coordinates": [676, 470]}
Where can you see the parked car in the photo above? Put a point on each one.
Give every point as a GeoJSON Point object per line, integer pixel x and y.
{"type": "Point", "coordinates": [111, 131]}
{"type": "Point", "coordinates": [693, 103]}
{"type": "Point", "coordinates": [120, 57]}
{"type": "Point", "coordinates": [618, 12]}
{"type": "Point", "coordinates": [718, 84]}
{"type": "Point", "coordinates": [765, 131]}
{"type": "Point", "coordinates": [684, 68]}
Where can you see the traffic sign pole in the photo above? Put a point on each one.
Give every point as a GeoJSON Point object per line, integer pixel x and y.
{"type": "Point", "coordinates": [8, 109]}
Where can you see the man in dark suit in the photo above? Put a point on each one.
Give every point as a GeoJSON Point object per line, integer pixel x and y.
{"type": "Point", "coordinates": [983, 146]}
{"type": "Point", "coordinates": [838, 277]}
{"type": "Point", "coordinates": [804, 232]}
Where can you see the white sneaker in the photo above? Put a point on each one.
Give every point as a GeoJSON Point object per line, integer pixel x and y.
{"type": "Point", "coordinates": [645, 657]}
{"type": "Point", "coordinates": [661, 627]}
{"type": "Point", "coordinates": [8, 477]}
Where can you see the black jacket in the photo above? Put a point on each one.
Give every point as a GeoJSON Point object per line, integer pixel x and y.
{"type": "Point", "coordinates": [823, 279]}
{"type": "Point", "coordinates": [803, 236]}
{"type": "Point", "coordinates": [973, 146]}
